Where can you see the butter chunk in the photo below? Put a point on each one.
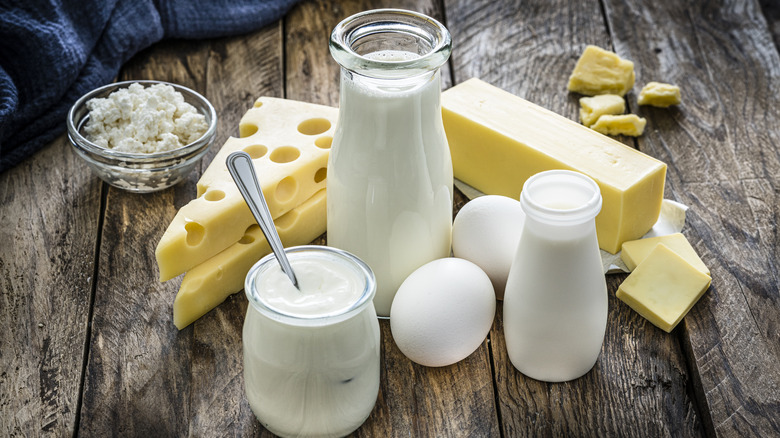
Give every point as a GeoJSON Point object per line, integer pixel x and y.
{"type": "Point", "coordinates": [659, 94]}
{"type": "Point", "coordinates": [626, 124]}
{"type": "Point", "coordinates": [599, 71]}
{"type": "Point", "coordinates": [289, 142]}
{"type": "Point", "coordinates": [591, 108]}
{"type": "Point", "coordinates": [663, 288]}
{"type": "Point", "coordinates": [635, 251]}
{"type": "Point", "coordinates": [498, 140]}
{"type": "Point", "coordinates": [210, 283]}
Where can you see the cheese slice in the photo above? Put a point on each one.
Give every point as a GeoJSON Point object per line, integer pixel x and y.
{"type": "Point", "coordinates": [659, 94]}
{"type": "Point", "coordinates": [289, 142]}
{"type": "Point", "coordinates": [625, 124]}
{"type": "Point", "coordinates": [499, 140]}
{"type": "Point", "coordinates": [663, 288]}
{"type": "Point", "coordinates": [599, 71]}
{"type": "Point", "coordinates": [207, 285]}
{"type": "Point", "coordinates": [635, 251]}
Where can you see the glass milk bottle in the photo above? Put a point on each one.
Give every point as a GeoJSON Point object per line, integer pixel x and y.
{"type": "Point", "coordinates": [390, 171]}
{"type": "Point", "coordinates": [311, 356]}
{"type": "Point", "coordinates": [555, 305]}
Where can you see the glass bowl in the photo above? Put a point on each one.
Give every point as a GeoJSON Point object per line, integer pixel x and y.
{"type": "Point", "coordinates": [138, 172]}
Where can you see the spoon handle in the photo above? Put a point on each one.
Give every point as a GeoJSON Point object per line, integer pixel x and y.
{"type": "Point", "coordinates": [240, 166]}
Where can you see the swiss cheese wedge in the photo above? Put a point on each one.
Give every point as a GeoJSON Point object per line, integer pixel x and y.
{"type": "Point", "coordinates": [499, 140]}
{"type": "Point", "coordinates": [207, 285]}
{"type": "Point", "coordinates": [289, 142]}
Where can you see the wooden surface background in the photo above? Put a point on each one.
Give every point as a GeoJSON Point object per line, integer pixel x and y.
{"type": "Point", "coordinates": [87, 342]}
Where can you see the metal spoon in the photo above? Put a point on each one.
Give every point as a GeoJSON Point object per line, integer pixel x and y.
{"type": "Point", "coordinates": [240, 166]}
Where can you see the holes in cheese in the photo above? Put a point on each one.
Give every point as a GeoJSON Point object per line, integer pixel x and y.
{"type": "Point", "coordinates": [247, 129]}
{"type": "Point", "coordinates": [314, 126]}
{"type": "Point", "coordinates": [323, 142]}
{"type": "Point", "coordinates": [286, 189]}
{"type": "Point", "coordinates": [214, 195]}
{"type": "Point", "coordinates": [499, 140]}
{"type": "Point", "coordinates": [285, 154]}
{"type": "Point", "coordinates": [256, 151]}
{"type": "Point", "coordinates": [195, 233]}
{"type": "Point", "coordinates": [320, 174]}
{"type": "Point", "coordinates": [208, 284]}
{"type": "Point", "coordinates": [289, 172]}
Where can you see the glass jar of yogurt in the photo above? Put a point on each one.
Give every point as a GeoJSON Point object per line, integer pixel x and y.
{"type": "Point", "coordinates": [311, 356]}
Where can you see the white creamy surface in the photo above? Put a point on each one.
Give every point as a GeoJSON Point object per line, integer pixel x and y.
{"type": "Point", "coordinates": [390, 177]}
{"type": "Point", "coordinates": [326, 287]}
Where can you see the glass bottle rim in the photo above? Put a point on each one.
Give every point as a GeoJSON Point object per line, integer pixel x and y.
{"type": "Point", "coordinates": [355, 27]}
{"type": "Point", "coordinates": [584, 209]}
{"type": "Point", "coordinates": [263, 265]}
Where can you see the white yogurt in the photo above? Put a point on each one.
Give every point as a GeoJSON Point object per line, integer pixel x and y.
{"type": "Point", "coordinates": [390, 176]}
{"type": "Point", "coordinates": [311, 357]}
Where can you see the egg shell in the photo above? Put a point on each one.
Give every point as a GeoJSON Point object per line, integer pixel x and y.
{"type": "Point", "coordinates": [442, 312]}
{"type": "Point", "coordinates": [486, 231]}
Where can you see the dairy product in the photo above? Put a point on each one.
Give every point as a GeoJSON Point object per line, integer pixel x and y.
{"type": "Point", "coordinates": [390, 177]}
{"type": "Point", "coordinates": [635, 251]}
{"type": "Point", "coordinates": [289, 142]}
{"type": "Point", "coordinates": [659, 94]}
{"type": "Point", "coordinates": [143, 120]}
{"type": "Point", "coordinates": [626, 124]}
{"type": "Point", "coordinates": [663, 288]}
{"type": "Point", "coordinates": [599, 71]}
{"type": "Point", "coordinates": [311, 357]}
{"type": "Point", "coordinates": [591, 108]}
{"type": "Point", "coordinates": [498, 140]}
{"type": "Point", "coordinates": [555, 305]}
{"type": "Point", "coordinates": [208, 284]}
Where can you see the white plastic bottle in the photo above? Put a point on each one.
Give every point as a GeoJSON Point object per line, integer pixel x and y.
{"type": "Point", "coordinates": [555, 305]}
{"type": "Point", "coordinates": [390, 171]}
{"type": "Point", "coordinates": [311, 356]}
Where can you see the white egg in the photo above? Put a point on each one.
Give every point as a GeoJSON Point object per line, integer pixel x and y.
{"type": "Point", "coordinates": [486, 231]}
{"type": "Point", "coordinates": [442, 312]}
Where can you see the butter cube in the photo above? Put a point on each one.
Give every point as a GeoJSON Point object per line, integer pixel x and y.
{"type": "Point", "coordinates": [659, 94]}
{"type": "Point", "coordinates": [627, 124]}
{"type": "Point", "coordinates": [499, 140]}
{"type": "Point", "coordinates": [207, 285]}
{"type": "Point", "coordinates": [635, 251]}
{"type": "Point", "coordinates": [663, 288]}
{"type": "Point", "coordinates": [591, 108]}
{"type": "Point", "coordinates": [289, 142]}
{"type": "Point", "coordinates": [599, 71]}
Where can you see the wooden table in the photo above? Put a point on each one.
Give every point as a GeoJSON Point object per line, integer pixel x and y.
{"type": "Point", "coordinates": [87, 342]}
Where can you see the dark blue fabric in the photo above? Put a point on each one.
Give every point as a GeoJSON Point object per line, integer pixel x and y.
{"type": "Point", "coordinates": [54, 51]}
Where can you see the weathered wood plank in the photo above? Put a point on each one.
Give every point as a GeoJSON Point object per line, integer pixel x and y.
{"type": "Point", "coordinates": [639, 386]}
{"type": "Point", "coordinates": [414, 400]}
{"type": "Point", "coordinates": [723, 150]}
{"type": "Point", "coordinates": [49, 210]}
{"type": "Point", "coordinates": [141, 368]}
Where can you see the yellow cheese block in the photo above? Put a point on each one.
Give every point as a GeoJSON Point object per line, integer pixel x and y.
{"type": "Point", "coordinates": [663, 288]}
{"type": "Point", "coordinates": [599, 71]}
{"type": "Point", "coordinates": [635, 251]}
{"type": "Point", "coordinates": [659, 94]}
{"type": "Point", "coordinates": [591, 108]}
{"type": "Point", "coordinates": [289, 142]}
{"type": "Point", "coordinates": [210, 283]}
{"type": "Point", "coordinates": [499, 140]}
{"type": "Point", "coordinates": [626, 124]}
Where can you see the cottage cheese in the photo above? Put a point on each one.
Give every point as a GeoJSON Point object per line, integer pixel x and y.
{"type": "Point", "coordinates": [143, 120]}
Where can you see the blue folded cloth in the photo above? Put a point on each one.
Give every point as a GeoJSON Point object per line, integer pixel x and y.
{"type": "Point", "coordinates": [54, 51]}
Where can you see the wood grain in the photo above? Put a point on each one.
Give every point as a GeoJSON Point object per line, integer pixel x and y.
{"type": "Point", "coordinates": [49, 210]}
{"type": "Point", "coordinates": [529, 49]}
{"type": "Point", "coordinates": [722, 149]}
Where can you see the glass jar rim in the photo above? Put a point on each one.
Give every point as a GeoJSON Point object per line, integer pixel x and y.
{"type": "Point", "coordinates": [262, 266]}
{"type": "Point", "coordinates": [356, 26]}
{"type": "Point", "coordinates": [584, 210]}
